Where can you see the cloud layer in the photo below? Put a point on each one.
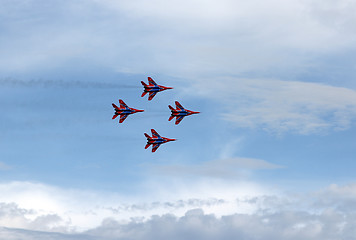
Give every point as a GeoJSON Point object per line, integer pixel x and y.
{"type": "Point", "coordinates": [282, 106]}
{"type": "Point", "coordinates": [38, 206]}
{"type": "Point", "coordinates": [306, 216]}
{"type": "Point", "coordinates": [223, 37]}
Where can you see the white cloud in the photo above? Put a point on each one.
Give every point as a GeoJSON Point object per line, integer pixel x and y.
{"type": "Point", "coordinates": [195, 224]}
{"type": "Point", "coordinates": [172, 38]}
{"type": "Point", "coordinates": [13, 216]}
{"type": "Point", "coordinates": [223, 168]}
{"type": "Point", "coordinates": [31, 205]}
{"type": "Point", "coordinates": [303, 216]}
{"type": "Point", "coordinates": [282, 106]}
{"type": "Point", "coordinates": [334, 14]}
{"type": "Point", "coordinates": [233, 37]}
{"type": "Point", "coordinates": [342, 198]}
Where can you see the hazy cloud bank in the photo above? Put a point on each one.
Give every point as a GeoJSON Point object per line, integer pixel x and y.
{"type": "Point", "coordinates": [223, 37]}
{"type": "Point", "coordinates": [282, 106]}
{"type": "Point", "coordinates": [275, 217]}
{"type": "Point", "coordinates": [67, 84]}
{"type": "Point", "coordinates": [324, 214]}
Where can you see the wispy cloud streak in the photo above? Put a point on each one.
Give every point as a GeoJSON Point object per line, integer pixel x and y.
{"type": "Point", "coordinates": [282, 106]}
{"type": "Point", "coordinates": [44, 83]}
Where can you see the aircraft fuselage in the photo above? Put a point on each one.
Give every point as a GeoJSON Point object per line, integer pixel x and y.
{"type": "Point", "coordinates": [154, 89]}
{"type": "Point", "coordinates": [180, 113]}
{"type": "Point", "coordinates": [156, 141]}
{"type": "Point", "coordinates": [125, 111]}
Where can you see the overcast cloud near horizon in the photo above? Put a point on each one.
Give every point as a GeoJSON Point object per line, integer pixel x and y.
{"type": "Point", "coordinates": [270, 156]}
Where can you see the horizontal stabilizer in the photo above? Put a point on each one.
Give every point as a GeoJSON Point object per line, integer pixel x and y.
{"type": "Point", "coordinates": [170, 107]}
{"type": "Point", "coordinates": [147, 136]}
{"type": "Point", "coordinates": [143, 94]}
{"type": "Point", "coordinates": [115, 106]}
{"type": "Point", "coordinates": [147, 145]}
{"type": "Point", "coordinates": [170, 118]}
{"type": "Point", "coordinates": [113, 117]}
{"type": "Point", "coordinates": [143, 84]}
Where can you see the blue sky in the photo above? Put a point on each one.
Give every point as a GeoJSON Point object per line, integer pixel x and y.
{"type": "Point", "coordinates": [274, 82]}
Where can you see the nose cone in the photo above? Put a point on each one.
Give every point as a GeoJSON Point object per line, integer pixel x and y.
{"type": "Point", "coordinates": [166, 88]}
{"type": "Point", "coordinates": [140, 110]}
{"type": "Point", "coordinates": [171, 139]}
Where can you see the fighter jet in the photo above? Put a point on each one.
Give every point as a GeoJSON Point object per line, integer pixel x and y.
{"type": "Point", "coordinates": [180, 112]}
{"type": "Point", "coordinates": [123, 111]}
{"type": "Point", "coordinates": [156, 140]}
{"type": "Point", "coordinates": [152, 88]}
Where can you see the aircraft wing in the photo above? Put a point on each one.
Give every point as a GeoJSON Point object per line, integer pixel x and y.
{"type": "Point", "coordinates": [155, 147]}
{"type": "Point", "coordinates": [123, 117]}
{"type": "Point", "coordinates": [152, 94]}
{"type": "Point", "coordinates": [179, 106]}
{"type": "Point", "coordinates": [123, 104]}
{"type": "Point", "coordinates": [155, 134]}
{"type": "Point", "coordinates": [150, 80]}
{"type": "Point", "coordinates": [178, 119]}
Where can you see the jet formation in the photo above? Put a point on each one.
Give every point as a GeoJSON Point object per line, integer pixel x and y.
{"type": "Point", "coordinates": [153, 88]}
